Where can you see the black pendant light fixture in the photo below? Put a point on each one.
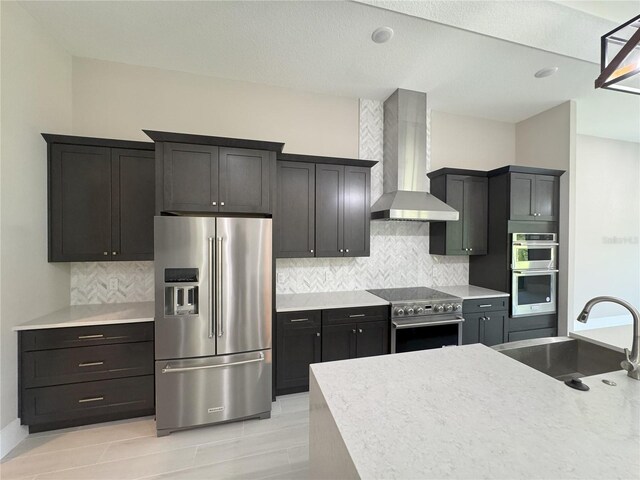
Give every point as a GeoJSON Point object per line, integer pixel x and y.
{"type": "Point", "coordinates": [620, 58]}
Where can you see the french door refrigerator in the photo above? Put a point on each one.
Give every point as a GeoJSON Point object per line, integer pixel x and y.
{"type": "Point", "coordinates": [213, 309]}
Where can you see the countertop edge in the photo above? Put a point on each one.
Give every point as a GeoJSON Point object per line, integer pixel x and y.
{"type": "Point", "coordinates": [81, 323]}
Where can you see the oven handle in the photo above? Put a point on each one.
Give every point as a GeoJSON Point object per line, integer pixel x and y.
{"type": "Point", "coordinates": [534, 272]}
{"type": "Point", "coordinates": [400, 326]}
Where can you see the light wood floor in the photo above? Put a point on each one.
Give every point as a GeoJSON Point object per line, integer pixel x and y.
{"type": "Point", "coordinates": [276, 448]}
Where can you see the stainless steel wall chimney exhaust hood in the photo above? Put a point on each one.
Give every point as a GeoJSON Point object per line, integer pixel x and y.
{"type": "Point", "coordinates": [405, 163]}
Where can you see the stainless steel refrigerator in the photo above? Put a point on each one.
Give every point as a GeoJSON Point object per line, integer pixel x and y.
{"type": "Point", "coordinates": [213, 284]}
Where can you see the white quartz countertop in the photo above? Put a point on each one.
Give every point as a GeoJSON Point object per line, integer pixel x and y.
{"type": "Point", "coordinates": [471, 292]}
{"type": "Point", "coordinates": [471, 412]}
{"type": "Point", "coordinates": [618, 338]}
{"type": "Point", "coordinates": [84, 315]}
{"type": "Point", "coordinates": [291, 302]}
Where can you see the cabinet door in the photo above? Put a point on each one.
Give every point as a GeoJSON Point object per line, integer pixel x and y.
{"type": "Point", "coordinates": [523, 186]}
{"type": "Point", "coordinates": [190, 177]}
{"type": "Point", "coordinates": [338, 342]}
{"type": "Point", "coordinates": [372, 338]}
{"type": "Point", "coordinates": [546, 198]}
{"type": "Point", "coordinates": [476, 216]}
{"type": "Point", "coordinates": [244, 181]}
{"type": "Point", "coordinates": [492, 328]}
{"type": "Point", "coordinates": [295, 219]}
{"type": "Point", "coordinates": [80, 203]}
{"type": "Point", "coordinates": [471, 328]}
{"type": "Point", "coordinates": [298, 346]}
{"type": "Point", "coordinates": [329, 210]}
{"type": "Point", "coordinates": [455, 230]}
{"type": "Point", "coordinates": [357, 211]}
{"type": "Point", "coordinates": [132, 204]}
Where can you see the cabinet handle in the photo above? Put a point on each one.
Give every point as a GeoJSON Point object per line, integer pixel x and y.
{"type": "Point", "coordinates": [90, 364]}
{"type": "Point", "coordinates": [359, 330]}
{"type": "Point", "coordinates": [356, 315]}
{"type": "Point", "coordinates": [90, 337]}
{"type": "Point", "coordinates": [341, 250]}
{"type": "Point", "coordinates": [471, 249]}
{"type": "Point", "coordinates": [92, 399]}
{"type": "Point", "coordinates": [105, 253]}
{"type": "Point", "coordinates": [485, 305]}
{"type": "Point", "coordinates": [487, 319]}
{"type": "Point", "coordinates": [317, 334]}
{"type": "Point", "coordinates": [222, 204]}
{"type": "Point", "coordinates": [311, 250]}
{"type": "Point", "coordinates": [299, 319]}
{"type": "Point", "coordinates": [354, 330]}
{"type": "Point", "coordinates": [114, 253]}
{"type": "Point", "coordinates": [347, 250]}
{"type": "Point", "coordinates": [214, 203]}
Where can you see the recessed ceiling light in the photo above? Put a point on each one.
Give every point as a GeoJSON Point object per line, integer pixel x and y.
{"type": "Point", "coordinates": [382, 34]}
{"type": "Point", "coordinates": [546, 72]}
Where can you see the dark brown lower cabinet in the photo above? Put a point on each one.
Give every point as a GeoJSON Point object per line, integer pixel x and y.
{"type": "Point", "coordinates": [485, 321]}
{"type": "Point", "coordinates": [307, 337]}
{"type": "Point", "coordinates": [298, 346]}
{"type": "Point", "coordinates": [81, 375]}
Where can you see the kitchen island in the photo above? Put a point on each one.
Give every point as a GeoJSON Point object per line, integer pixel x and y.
{"type": "Point", "coordinates": [468, 412]}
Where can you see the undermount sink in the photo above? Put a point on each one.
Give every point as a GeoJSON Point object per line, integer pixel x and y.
{"type": "Point", "coordinates": [563, 357]}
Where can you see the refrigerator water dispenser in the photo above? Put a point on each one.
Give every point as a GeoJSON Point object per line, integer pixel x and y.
{"type": "Point", "coordinates": [180, 291]}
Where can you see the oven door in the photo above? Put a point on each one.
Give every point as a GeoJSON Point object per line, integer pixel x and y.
{"type": "Point", "coordinates": [533, 256]}
{"type": "Point", "coordinates": [421, 333]}
{"type": "Point", "coordinates": [533, 292]}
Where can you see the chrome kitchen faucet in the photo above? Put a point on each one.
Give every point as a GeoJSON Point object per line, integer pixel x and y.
{"type": "Point", "coordinates": [632, 363]}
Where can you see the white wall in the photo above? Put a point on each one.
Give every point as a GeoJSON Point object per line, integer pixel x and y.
{"type": "Point", "coordinates": [117, 100]}
{"type": "Point", "coordinates": [36, 97]}
{"type": "Point", "coordinates": [548, 140]}
{"type": "Point", "coordinates": [607, 227]}
{"type": "Point", "coordinates": [470, 142]}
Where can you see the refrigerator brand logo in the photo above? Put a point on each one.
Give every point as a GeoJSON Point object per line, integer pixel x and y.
{"type": "Point", "coordinates": [215, 409]}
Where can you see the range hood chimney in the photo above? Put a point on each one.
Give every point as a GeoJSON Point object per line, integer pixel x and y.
{"type": "Point", "coordinates": [404, 164]}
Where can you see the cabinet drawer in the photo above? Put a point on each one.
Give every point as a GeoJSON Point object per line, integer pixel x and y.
{"type": "Point", "coordinates": [86, 336]}
{"type": "Point", "coordinates": [303, 318]}
{"type": "Point", "coordinates": [356, 314]}
{"type": "Point", "coordinates": [91, 399]}
{"type": "Point", "coordinates": [485, 304]}
{"type": "Point", "coordinates": [83, 364]}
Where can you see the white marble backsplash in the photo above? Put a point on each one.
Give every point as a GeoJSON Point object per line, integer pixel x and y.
{"type": "Point", "coordinates": [91, 282]}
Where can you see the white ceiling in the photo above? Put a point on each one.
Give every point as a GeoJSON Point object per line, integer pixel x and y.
{"type": "Point", "coordinates": [323, 47]}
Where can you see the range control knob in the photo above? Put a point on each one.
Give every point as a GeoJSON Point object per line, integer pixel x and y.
{"type": "Point", "coordinates": [410, 311]}
{"type": "Point", "coordinates": [398, 311]}
{"type": "Point", "coordinates": [420, 311]}
{"type": "Point", "coordinates": [438, 308]}
{"type": "Point", "coordinates": [457, 307]}
{"type": "Point", "coordinates": [448, 307]}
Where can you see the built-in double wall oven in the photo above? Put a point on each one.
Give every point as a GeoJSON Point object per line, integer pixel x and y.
{"type": "Point", "coordinates": [534, 273]}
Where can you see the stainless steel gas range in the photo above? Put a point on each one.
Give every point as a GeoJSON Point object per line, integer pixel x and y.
{"type": "Point", "coordinates": [422, 318]}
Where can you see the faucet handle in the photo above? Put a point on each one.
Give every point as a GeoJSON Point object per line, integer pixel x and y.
{"type": "Point", "coordinates": [633, 369]}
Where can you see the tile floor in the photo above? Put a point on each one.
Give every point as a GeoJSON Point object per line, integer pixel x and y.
{"type": "Point", "coordinates": [276, 448]}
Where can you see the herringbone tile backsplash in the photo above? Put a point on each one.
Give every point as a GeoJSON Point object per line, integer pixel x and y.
{"type": "Point", "coordinates": [399, 251]}
{"type": "Point", "coordinates": [90, 282]}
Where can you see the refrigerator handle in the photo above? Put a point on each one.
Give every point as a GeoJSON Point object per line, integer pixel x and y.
{"type": "Point", "coordinates": [210, 289]}
{"type": "Point", "coordinates": [219, 325]}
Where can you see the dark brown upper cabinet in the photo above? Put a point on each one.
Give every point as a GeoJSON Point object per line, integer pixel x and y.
{"type": "Point", "coordinates": [468, 192]}
{"type": "Point", "coordinates": [296, 212]}
{"type": "Point", "coordinates": [343, 211]}
{"type": "Point", "coordinates": [197, 173]}
{"type": "Point", "coordinates": [324, 206]}
{"type": "Point", "coordinates": [101, 199]}
{"type": "Point", "coordinates": [534, 197]}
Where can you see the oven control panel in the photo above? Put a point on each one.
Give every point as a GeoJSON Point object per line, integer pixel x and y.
{"type": "Point", "coordinates": [418, 309]}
